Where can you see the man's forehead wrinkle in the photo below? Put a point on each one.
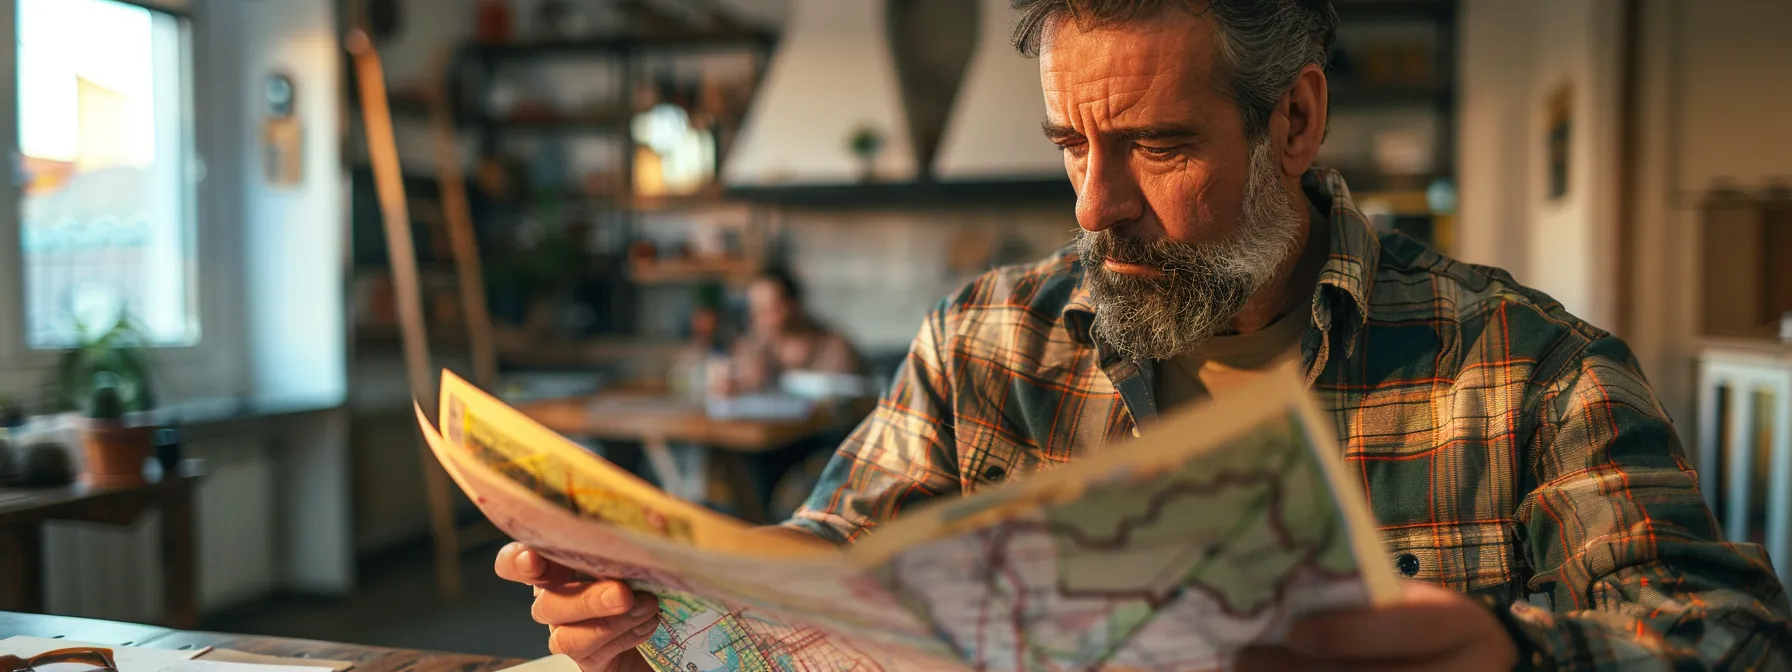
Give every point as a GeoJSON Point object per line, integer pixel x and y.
{"type": "Point", "coordinates": [1109, 97]}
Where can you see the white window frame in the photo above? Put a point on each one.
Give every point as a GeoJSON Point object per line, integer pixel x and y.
{"type": "Point", "coordinates": [212, 366]}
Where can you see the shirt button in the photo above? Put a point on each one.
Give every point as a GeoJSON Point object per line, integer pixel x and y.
{"type": "Point", "coordinates": [1408, 564]}
{"type": "Point", "coordinates": [1135, 432]}
{"type": "Point", "coordinates": [994, 473]}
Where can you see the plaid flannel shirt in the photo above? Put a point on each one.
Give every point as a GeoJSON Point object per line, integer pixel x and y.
{"type": "Point", "coordinates": [1508, 449]}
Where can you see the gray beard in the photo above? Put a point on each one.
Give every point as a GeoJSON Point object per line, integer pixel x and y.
{"type": "Point", "coordinates": [1204, 286]}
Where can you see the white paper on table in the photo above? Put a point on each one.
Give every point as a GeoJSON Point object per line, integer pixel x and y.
{"type": "Point", "coordinates": [554, 663]}
{"type": "Point", "coordinates": [129, 659]}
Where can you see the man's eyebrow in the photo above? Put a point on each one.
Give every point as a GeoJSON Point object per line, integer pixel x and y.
{"type": "Point", "coordinates": [1155, 132]}
{"type": "Point", "coordinates": [1060, 132]}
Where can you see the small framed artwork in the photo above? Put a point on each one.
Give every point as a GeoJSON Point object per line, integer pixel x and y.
{"type": "Point", "coordinates": [1557, 139]}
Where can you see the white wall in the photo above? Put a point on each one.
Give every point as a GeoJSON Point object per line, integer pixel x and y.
{"type": "Point", "coordinates": [1714, 104]}
{"type": "Point", "coordinates": [294, 235]}
{"type": "Point", "coordinates": [1495, 195]}
{"type": "Point", "coordinates": [1516, 55]}
{"type": "Point", "coordinates": [293, 256]}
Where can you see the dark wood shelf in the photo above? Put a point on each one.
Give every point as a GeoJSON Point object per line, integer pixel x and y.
{"type": "Point", "coordinates": [669, 271]}
{"type": "Point", "coordinates": [619, 46]}
{"type": "Point", "coordinates": [921, 194]}
{"type": "Point", "coordinates": [610, 121]}
{"type": "Point", "coordinates": [1346, 96]}
{"type": "Point", "coordinates": [449, 338]}
{"type": "Point", "coordinates": [1352, 11]}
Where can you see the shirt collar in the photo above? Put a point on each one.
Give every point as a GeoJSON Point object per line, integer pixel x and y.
{"type": "Point", "coordinates": [1344, 282]}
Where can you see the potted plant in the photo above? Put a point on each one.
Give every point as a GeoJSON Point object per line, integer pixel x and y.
{"type": "Point", "coordinates": [866, 143]}
{"type": "Point", "coordinates": [115, 449]}
{"type": "Point", "coordinates": [121, 350]}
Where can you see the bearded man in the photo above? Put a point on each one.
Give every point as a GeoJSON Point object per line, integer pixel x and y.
{"type": "Point", "coordinates": [1513, 455]}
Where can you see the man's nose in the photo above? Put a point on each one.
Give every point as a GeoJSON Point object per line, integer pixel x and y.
{"type": "Point", "coordinates": [1108, 195]}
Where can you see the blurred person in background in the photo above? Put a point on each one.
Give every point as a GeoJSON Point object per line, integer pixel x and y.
{"type": "Point", "coordinates": [782, 336]}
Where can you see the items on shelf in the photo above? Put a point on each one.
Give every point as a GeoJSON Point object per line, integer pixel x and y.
{"type": "Point", "coordinates": [494, 22]}
{"type": "Point", "coordinates": [1398, 64]}
{"type": "Point", "coordinates": [558, 21]}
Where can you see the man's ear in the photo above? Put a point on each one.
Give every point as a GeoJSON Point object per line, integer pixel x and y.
{"type": "Point", "coordinates": [1304, 107]}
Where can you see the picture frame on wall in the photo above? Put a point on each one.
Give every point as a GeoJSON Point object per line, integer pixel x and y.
{"type": "Point", "coordinates": [1558, 133]}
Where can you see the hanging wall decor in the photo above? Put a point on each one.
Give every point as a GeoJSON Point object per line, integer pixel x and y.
{"type": "Point", "coordinates": [1557, 137]}
{"type": "Point", "coordinates": [282, 136]}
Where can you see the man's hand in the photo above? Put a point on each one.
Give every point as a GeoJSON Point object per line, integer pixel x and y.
{"type": "Point", "coordinates": [1431, 628]}
{"type": "Point", "coordinates": [597, 623]}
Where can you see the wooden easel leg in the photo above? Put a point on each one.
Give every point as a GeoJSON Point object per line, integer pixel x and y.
{"type": "Point", "coordinates": [447, 533]}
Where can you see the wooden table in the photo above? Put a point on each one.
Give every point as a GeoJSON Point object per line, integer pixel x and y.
{"type": "Point", "coordinates": [657, 420]}
{"type": "Point", "coordinates": [23, 511]}
{"type": "Point", "coordinates": [365, 658]}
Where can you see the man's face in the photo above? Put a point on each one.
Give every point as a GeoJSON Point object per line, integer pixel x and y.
{"type": "Point", "coordinates": [1183, 217]}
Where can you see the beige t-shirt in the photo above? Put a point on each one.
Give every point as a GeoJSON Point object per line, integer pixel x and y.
{"type": "Point", "coordinates": [1225, 363]}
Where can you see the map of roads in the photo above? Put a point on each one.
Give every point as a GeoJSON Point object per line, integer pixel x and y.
{"type": "Point", "coordinates": [1170, 555]}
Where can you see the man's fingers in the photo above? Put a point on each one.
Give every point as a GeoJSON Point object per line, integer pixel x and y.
{"type": "Point", "coordinates": [566, 603]}
{"type": "Point", "coordinates": [1396, 633]}
{"type": "Point", "coordinates": [623, 645]}
{"type": "Point", "coordinates": [591, 639]}
{"type": "Point", "coordinates": [519, 563]}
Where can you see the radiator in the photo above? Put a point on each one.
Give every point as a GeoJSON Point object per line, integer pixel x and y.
{"type": "Point", "coordinates": [114, 573]}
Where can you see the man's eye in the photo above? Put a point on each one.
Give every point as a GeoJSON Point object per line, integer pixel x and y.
{"type": "Point", "coordinates": [1074, 148]}
{"type": "Point", "coordinates": [1158, 152]}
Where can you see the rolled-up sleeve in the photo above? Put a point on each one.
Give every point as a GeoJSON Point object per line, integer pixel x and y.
{"type": "Point", "coordinates": [1618, 533]}
{"type": "Point", "coordinates": [902, 454]}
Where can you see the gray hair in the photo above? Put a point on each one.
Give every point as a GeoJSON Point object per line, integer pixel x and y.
{"type": "Point", "coordinates": [1263, 44]}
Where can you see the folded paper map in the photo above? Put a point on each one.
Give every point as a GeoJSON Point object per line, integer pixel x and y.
{"type": "Point", "coordinates": [1169, 552]}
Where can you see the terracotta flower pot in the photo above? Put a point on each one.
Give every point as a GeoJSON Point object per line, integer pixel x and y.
{"type": "Point", "coordinates": [115, 454]}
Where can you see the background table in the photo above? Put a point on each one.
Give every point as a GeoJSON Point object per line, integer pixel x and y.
{"type": "Point", "coordinates": [657, 420]}
{"type": "Point", "coordinates": [365, 658]}
{"type": "Point", "coordinates": [23, 511]}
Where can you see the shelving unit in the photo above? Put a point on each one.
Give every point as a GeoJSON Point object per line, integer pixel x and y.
{"type": "Point", "coordinates": [1395, 63]}
{"type": "Point", "coordinates": [608, 205]}
{"type": "Point", "coordinates": [569, 239]}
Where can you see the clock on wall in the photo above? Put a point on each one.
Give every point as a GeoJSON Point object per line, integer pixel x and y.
{"type": "Point", "coordinates": [280, 93]}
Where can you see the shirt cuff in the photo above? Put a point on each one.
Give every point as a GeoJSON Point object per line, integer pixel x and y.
{"type": "Point", "coordinates": [816, 525]}
{"type": "Point", "coordinates": [1528, 626]}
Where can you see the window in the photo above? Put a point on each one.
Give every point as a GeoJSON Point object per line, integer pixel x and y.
{"type": "Point", "coordinates": [107, 166]}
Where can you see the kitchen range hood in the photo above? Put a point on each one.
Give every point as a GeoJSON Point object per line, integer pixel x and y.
{"type": "Point", "coordinates": [994, 131]}
{"type": "Point", "coordinates": [832, 77]}
{"type": "Point", "coordinates": [956, 107]}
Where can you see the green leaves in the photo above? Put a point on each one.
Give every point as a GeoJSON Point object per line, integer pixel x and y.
{"type": "Point", "coordinates": [119, 355]}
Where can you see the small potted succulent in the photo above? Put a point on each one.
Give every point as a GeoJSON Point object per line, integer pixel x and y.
{"type": "Point", "coordinates": [114, 448]}
{"type": "Point", "coordinates": [866, 143]}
